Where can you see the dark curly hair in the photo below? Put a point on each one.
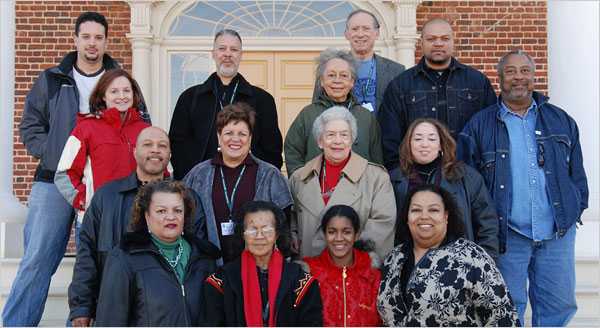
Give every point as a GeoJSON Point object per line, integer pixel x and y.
{"type": "Point", "coordinates": [455, 219]}
{"type": "Point", "coordinates": [237, 112]}
{"type": "Point", "coordinates": [143, 199]}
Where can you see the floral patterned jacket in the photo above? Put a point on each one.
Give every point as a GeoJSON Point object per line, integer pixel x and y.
{"type": "Point", "coordinates": [456, 284]}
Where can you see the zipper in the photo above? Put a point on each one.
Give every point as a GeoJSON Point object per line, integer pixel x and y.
{"type": "Point", "coordinates": [164, 262]}
{"type": "Point", "coordinates": [344, 276]}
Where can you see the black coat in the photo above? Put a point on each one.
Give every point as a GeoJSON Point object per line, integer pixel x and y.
{"type": "Point", "coordinates": [143, 289]}
{"type": "Point", "coordinates": [193, 122]}
{"type": "Point", "coordinates": [106, 220]}
{"type": "Point", "coordinates": [298, 301]}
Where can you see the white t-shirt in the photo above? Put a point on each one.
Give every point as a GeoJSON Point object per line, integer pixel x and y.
{"type": "Point", "coordinates": [85, 85]}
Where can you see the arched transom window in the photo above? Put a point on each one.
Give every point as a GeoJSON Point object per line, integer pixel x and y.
{"type": "Point", "coordinates": [264, 18]}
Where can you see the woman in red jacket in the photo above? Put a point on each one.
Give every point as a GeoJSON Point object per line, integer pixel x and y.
{"type": "Point", "coordinates": [348, 279]}
{"type": "Point", "coordinates": [100, 148]}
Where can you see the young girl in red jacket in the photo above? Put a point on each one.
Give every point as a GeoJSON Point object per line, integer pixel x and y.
{"type": "Point", "coordinates": [348, 277]}
{"type": "Point", "coordinates": [100, 147]}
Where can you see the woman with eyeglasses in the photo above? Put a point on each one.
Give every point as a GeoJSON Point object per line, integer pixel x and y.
{"type": "Point", "coordinates": [261, 288]}
{"type": "Point", "coordinates": [233, 177]}
{"type": "Point", "coordinates": [336, 75]}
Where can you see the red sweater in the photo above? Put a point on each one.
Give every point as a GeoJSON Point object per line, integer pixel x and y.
{"type": "Point", "coordinates": [98, 151]}
{"type": "Point", "coordinates": [358, 290]}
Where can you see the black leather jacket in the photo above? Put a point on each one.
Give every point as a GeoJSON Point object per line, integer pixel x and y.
{"type": "Point", "coordinates": [143, 289]}
{"type": "Point", "coordinates": [106, 220]}
{"type": "Point", "coordinates": [413, 95]}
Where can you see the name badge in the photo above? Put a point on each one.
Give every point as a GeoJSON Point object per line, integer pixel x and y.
{"type": "Point", "coordinates": [227, 228]}
{"type": "Point", "coordinates": [368, 106]}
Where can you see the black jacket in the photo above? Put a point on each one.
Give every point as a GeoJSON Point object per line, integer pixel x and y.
{"type": "Point", "coordinates": [413, 95]}
{"type": "Point", "coordinates": [144, 290]}
{"type": "Point", "coordinates": [194, 118]}
{"type": "Point", "coordinates": [298, 301]}
{"type": "Point", "coordinates": [472, 199]}
{"type": "Point", "coordinates": [51, 108]}
{"type": "Point", "coordinates": [106, 220]}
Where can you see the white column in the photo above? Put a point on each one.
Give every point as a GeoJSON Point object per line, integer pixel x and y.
{"type": "Point", "coordinates": [406, 36]}
{"type": "Point", "coordinates": [573, 57]}
{"type": "Point", "coordinates": [141, 39]}
{"type": "Point", "coordinates": [12, 212]}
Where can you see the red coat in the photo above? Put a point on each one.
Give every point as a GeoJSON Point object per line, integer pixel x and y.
{"type": "Point", "coordinates": [98, 151]}
{"type": "Point", "coordinates": [358, 290]}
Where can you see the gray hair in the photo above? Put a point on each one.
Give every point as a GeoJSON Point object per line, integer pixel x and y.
{"type": "Point", "coordinates": [504, 59]}
{"type": "Point", "coordinates": [362, 11]}
{"type": "Point", "coordinates": [333, 114]}
{"type": "Point", "coordinates": [328, 54]}
{"type": "Point", "coordinates": [227, 32]}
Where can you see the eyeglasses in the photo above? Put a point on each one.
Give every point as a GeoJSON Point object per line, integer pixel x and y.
{"type": "Point", "coordinates": [266, 232]}
{"type": "Point", "coordinates": [343, 76]}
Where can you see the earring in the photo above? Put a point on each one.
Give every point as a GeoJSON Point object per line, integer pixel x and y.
{"type": "Point", "coordinates": [182, 232]}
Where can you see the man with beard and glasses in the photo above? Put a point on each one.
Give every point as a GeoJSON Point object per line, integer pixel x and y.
{"type": "Point", "coordinates": [193, 132]}
{"type": "Point", "coordinates": [107, 220]}
{"type": "Point", "coordinates": [529, 154]}
{"type": "Point", "coordinates": [374, 72]}
{"type": "Point", "coordinates": [51, 107]}
{"type": "Point", "coordinates": [439, 87]}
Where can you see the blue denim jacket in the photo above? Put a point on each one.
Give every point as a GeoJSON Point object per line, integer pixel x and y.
{"type": "Point", "coordinates": [484, 144]}
{"type": "Point", "coordinates": [413, 94]}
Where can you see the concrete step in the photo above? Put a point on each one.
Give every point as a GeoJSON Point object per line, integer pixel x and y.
{"type": "Point", "coordinates": [57, 307]}
{"type": "Point", "coordinates": [56, 311]}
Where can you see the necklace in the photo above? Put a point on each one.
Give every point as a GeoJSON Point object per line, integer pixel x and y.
{"type": "Point", "coordinates": [173, 263]}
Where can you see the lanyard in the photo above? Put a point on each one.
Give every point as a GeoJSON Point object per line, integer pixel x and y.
{"type": "Point", "coordinates": [228, 200]}
{"type": "Point", "coordinates": [365, 86]}
{"type": "Point", "coordinates": [232, 95]}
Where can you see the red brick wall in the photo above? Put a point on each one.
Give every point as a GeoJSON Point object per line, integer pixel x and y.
{"type": "Point", "coordinates": [44, 34]}
{"type": "Point", "coordinates": [485, 30]}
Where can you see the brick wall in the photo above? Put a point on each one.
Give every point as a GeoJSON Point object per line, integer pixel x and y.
{"type": "Point", "coordinates": [44, 34]}
{"type": "Point", "coordinates": [485, 30]}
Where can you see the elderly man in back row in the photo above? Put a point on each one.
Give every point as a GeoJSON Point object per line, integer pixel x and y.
{"type": "Point", "coordinates": [529, 154]}
{"type": "Point", "coordinates": [439, 87]}
{"type": "Point", "coordinates": [374, 72]}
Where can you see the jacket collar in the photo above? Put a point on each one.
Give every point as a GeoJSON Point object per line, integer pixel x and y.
{"type": "Point", "coordinates": [66, 64]}
{"type": "Point", "coordinates": [539, 99]}
{"type": "Point", "coordinates": [112, 117]}
{"type": "Point", "coordinates": [244, 86]}
{"type": "Point", "coordinates": [454, 65]}
{"type": "Point", "coordinates": [362, 262]}
{"type": "Point", "coordinates": [129, 183]}
{"type": "Point", "coordinates": [324, 100]}
{"type": "Point", "coordinates": [139, 241]}
{"type": "Point", "coordinates": [353, 170]}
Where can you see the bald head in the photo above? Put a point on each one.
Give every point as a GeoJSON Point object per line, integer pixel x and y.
{"type": "Point", "coordinates": [152, 153]}
{"type": "Point", "coordinates": [438, 22]}
{"type": "Point", "coordinates": [437, 43]}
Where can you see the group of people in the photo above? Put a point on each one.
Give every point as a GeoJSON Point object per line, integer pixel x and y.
{"type": "Point", "coordinates": [412, 197]}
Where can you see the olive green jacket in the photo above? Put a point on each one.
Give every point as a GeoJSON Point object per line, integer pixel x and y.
{"type": "Point", "coordinates": [300, 146]}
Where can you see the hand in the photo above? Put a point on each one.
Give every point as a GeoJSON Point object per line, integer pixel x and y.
{"type": "Point", "coordinates": [81, 322]}
{"type": "Point", "coordinates": [295, 245]}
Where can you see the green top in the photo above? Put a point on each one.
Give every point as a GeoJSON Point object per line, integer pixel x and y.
{"type": "Point", "coordinates": [171, 253]}
{"type": "Point", "coordinates": [300, 146]}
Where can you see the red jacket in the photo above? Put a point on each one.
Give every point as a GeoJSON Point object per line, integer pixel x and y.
{"type": "Point", "coordinates": [358, 290]}
{"type": "Point", "coordinates": [99, 150]}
